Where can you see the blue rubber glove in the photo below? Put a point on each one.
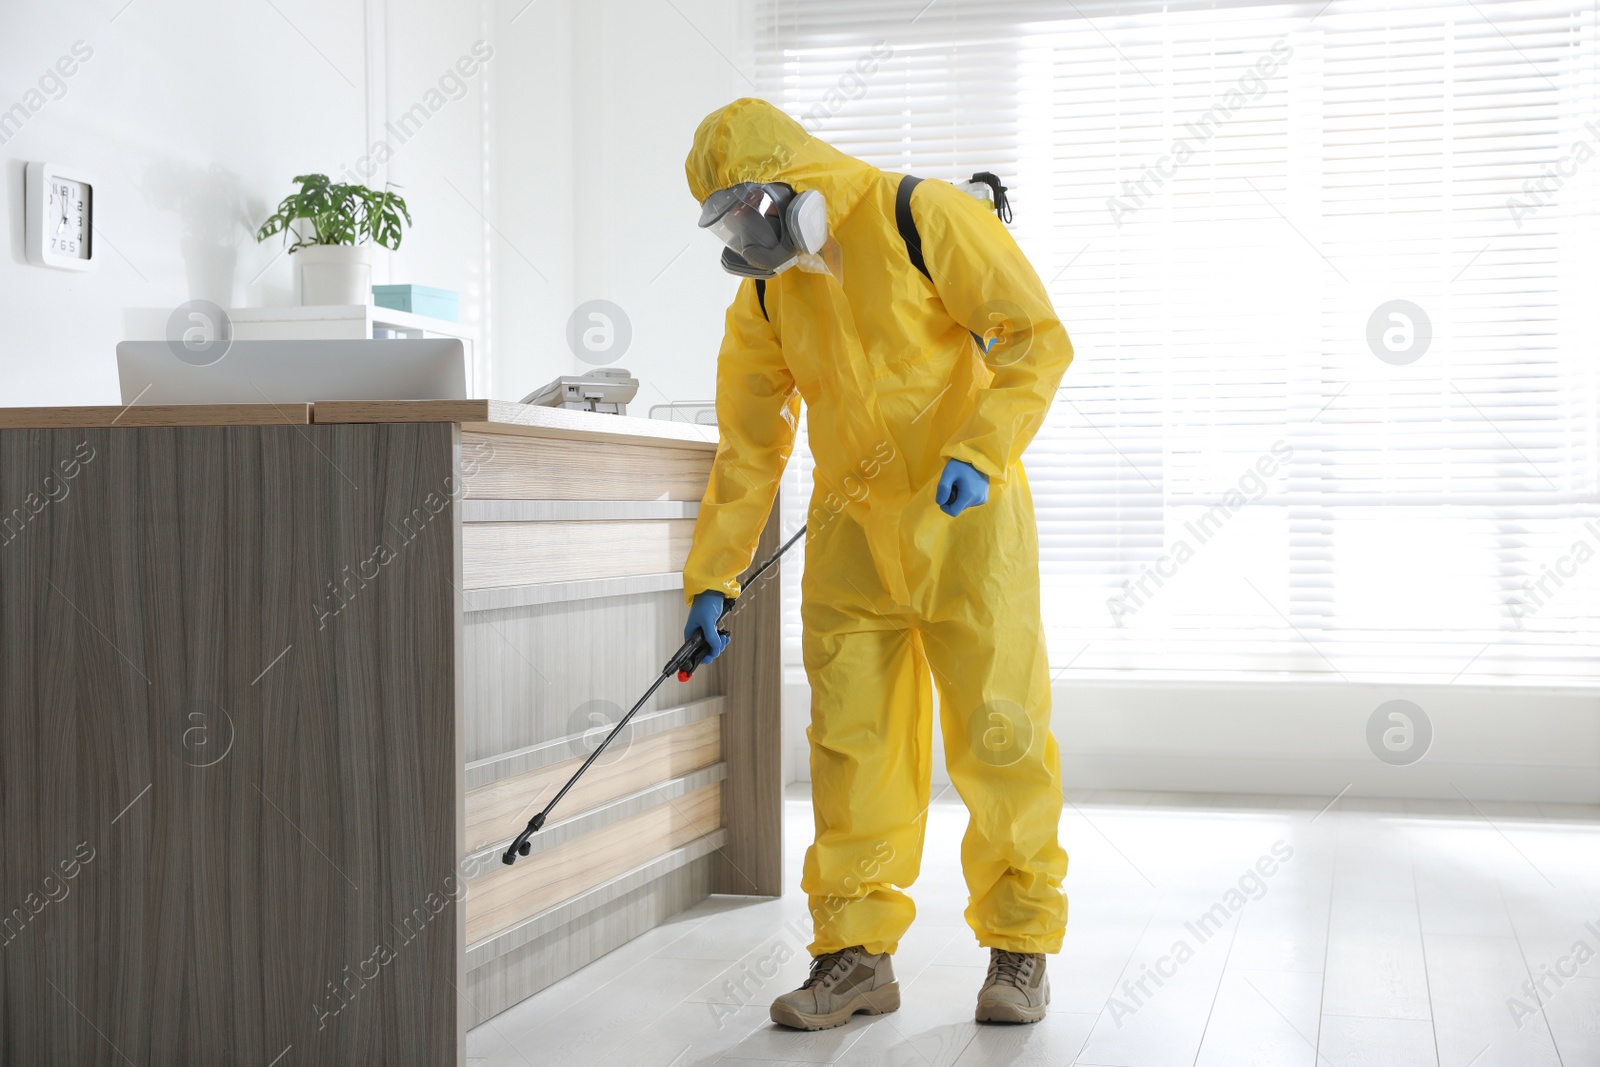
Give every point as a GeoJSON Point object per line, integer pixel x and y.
{"type": "Point", "coordinates": [703, 616]}
{"type": "Point", "coordinates": [962, 486]}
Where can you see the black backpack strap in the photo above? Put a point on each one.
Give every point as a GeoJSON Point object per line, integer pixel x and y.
{"type": "Point", "coordinates": [908, 233]}
{"type": "Point", "coordinates": [761, 297]}
{"type": "Point", "coordinates": [908, 225]}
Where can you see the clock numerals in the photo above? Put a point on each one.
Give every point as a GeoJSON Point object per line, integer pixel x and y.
{"type": "Point", "coordinates": [67, 219]}
{"type": "Point", "coordinates": [60, 218]}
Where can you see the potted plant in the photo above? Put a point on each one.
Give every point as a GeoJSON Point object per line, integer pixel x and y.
{"type": "Point", "coordinates": [335, 264]}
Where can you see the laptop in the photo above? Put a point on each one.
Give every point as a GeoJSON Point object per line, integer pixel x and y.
{"type": "Point", "coordinates": [291, 372]}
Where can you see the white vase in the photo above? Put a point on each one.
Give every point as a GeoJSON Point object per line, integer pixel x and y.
{"type": "Point", "coordinates": [335, 274]}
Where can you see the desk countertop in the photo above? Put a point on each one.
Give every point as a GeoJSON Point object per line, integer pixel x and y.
{"type": "Point", "coordinates": [489, 416]}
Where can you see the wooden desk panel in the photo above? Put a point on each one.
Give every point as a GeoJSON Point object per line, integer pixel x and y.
{"type": "Point", "coordinates": [268, 792]}
{"type": "Point", "coordinates": [502, 896]}
{"type": "Point", "coordinates": [525, 553]}
{"type": "Point", "coordinates": [512, 467]}
{"type": "Point", "coordinates": [497, 811]}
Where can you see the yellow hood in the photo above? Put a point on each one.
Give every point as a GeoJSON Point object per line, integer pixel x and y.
{"type": "Point", "coordinates": [750, 140]}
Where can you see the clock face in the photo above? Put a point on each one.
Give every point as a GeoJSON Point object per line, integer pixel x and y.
{"type": "Point", "coordinates": [66, 218]}
{"type": "Point", "coordinates": [58, 224]}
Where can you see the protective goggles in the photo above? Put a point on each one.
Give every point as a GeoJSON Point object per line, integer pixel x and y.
{"type": "Point", "coordinates": [765, 225]}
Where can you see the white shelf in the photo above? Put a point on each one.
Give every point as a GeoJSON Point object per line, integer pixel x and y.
{"type": "Point", "coordinates": [330, 322]}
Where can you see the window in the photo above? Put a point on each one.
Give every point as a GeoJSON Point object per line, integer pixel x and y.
{"type": "Point", "coordinates": [1330, 276]}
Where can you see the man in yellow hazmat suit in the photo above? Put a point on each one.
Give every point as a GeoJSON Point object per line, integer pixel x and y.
{"type": "Point", "coordinates": [921, 562]}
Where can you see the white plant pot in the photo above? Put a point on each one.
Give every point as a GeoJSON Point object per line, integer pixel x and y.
{"type": "Point", "coordinates": [335, 274]}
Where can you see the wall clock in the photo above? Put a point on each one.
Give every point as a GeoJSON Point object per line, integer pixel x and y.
{"type": "Point", "coordinates": [60, 217]}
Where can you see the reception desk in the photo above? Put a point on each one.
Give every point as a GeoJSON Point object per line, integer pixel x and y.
{"type": "Point", "coordinates": [279, 682]}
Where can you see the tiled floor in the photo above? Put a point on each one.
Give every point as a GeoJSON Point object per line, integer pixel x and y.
{"type": "Point", "coordinates": [1388, 933]}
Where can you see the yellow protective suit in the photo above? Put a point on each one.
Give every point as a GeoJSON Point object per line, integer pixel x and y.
{"type": "Point", "coordinates": [894, 386]}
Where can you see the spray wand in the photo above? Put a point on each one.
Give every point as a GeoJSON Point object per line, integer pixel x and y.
{"type": "Point", "coordinates": [683, 663]}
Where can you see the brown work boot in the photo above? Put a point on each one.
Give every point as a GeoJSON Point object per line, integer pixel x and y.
{"type": "Point", "coordinates": [841, 984]}
{"type": "Point", "coordinates": [1016, 990]}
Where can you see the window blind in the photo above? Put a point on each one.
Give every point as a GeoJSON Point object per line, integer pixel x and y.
{"type": "Point", "coordinates": [1329, 272]}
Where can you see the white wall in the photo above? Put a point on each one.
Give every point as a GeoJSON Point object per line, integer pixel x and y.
{"type": "Point", "coordinates": [192, 117]}
{"type": "Point", "coordinates": [1484, 742]}
{"type": "Point", "coordinates": [589, 150]}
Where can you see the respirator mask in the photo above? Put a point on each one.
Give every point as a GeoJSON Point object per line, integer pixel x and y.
{"type": "Point", "coordinates": [768, 228]}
